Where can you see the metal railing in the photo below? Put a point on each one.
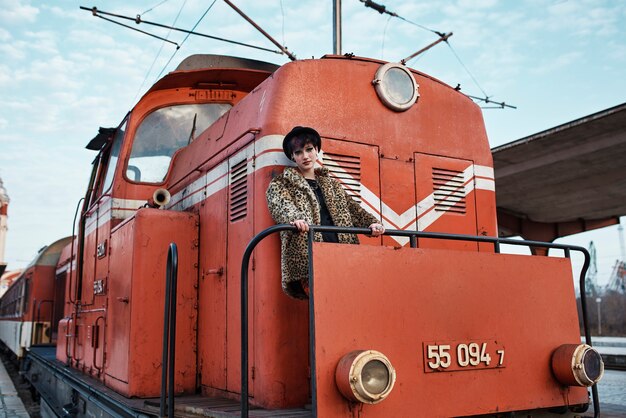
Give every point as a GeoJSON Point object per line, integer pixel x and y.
{"type": "Point", "coordinates": [169, 333]}
{"type": "Point", "coordinates": [413, 236]}
{"type": "Point", "coordinates": [38, 328]}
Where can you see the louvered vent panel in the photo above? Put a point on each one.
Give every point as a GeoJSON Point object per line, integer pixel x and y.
{"type": "Point", "coordinates": [449, 190]}
{"type": "Point", "coordinates": [347, 169]}
{"type": "Point", "coordinates": [239, 191]}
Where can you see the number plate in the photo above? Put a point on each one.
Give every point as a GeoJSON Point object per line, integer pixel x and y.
{"type": "Point", "coordinates": [457, 356]}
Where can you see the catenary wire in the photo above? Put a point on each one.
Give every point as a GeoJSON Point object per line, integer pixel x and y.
{"type": "Point", "coordinates": [137, 30]}
{"type": "Point", "coordinates": [96, 12]}
{"type": "Point", "coordinates": [282, 11]}
{"type": "Point", "coordinates": [160, 49]}
{"type": "Point", "coordinates": [382, 9]}
{"type": "Point", "coordinates": [154, 7]}
{"type": "Point", "coordinates": [466, 69]}
{"type": "Point", "coordinates": [186, 37]}
{"type": "Point", "coordinates": [382, 47]}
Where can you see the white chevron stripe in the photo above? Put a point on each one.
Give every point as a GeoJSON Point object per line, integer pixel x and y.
{"type": "Point", "coordinates": [485, 184]}
{"type": "Point", "coordinates": [424, 210]}
{"type": "Point", "coordinates": [111, 208]}
{"type": "Point", "coordinates": [484, 171]}
{"type": "Point", "coordinates": [267, 152]}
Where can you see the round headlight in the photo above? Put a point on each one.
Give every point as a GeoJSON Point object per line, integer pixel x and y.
{"type": "Point", "coordinates": [577, 365]}
{"type": "Point", "coordinates": [395, 86]}
{"type": "Point", "coordinates": [375, 376]}
{"type": "Point", "coordinates": [365, 376]}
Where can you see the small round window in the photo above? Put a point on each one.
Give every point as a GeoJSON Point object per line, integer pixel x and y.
{"type": "Point", "coordinates": [396, 87]}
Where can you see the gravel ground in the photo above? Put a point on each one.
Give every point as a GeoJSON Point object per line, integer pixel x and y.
{"type": "Point", "coordinates": [21, 386]}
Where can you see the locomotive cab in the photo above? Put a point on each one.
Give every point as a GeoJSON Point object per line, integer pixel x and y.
{"type": "Point", "coordinates": [135, 163]}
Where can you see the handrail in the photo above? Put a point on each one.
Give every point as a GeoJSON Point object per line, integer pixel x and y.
{"type": "Point", "coordinates": [169, 332]}
{"type": "Point", "coordinates": [413, 235]}
{"type": "Point", "coordinates": [96, 343]}
{"type": "Point", "coordinates": [37, 320]}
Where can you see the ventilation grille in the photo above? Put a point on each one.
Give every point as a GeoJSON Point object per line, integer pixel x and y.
{"type": "Point", "coordinates": [239, 191]}
{"type": "Point", "coordinates": [449, 190]}
{"type": "Point", "coordinates": [346, 169]}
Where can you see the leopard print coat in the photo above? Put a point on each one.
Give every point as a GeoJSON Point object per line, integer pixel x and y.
{"type": "Point", "coordinates": [289, 198]}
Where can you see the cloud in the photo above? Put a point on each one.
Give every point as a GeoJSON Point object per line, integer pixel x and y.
{"type": "Point", "coordinates": [557, 63]}
{"type": "Point", "coordinates": [617, 51]}
{"type": "Point", "coordinates": [17, 11]}
{"type": "Point", "coordinates": [42, 42]}
{"type": "Point", "coordinates": [476, 4]}
{"type": "Point", "coordinates": [55, 10]}
{"type": "Point", "coordinates": [5, 75]}
{"type": "Point", "coordinates": [13, 51]}
{"type": "Point", "coordinates": [29, 42]}
{"type": "Point", "coordinates": [95, 38]}
{"type": "Point", "coordinates": [586, 18]}
{"type": "Point", "coordinates": [5, 36]}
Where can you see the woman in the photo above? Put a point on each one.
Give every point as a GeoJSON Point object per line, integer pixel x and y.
{"type": "Point", "coordinates": [304, 196]}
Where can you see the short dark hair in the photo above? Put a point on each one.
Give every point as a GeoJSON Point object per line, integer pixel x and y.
{"type": "Point", "coordinates": [298, 137]}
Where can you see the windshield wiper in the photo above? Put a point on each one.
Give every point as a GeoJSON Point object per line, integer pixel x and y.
{"type": "Point", "coordinates": [193, 129]}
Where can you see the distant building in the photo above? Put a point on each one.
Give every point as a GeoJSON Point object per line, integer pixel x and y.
{"type": "Point", "coordinates": [7, 279]}
{"type": "Point", "coordinates": [4, 210]}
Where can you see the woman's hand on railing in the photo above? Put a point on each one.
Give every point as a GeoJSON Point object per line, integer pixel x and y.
{"type": "Point", "coordinates": [301, 224]}
{"type": "Point", "coordinates": [377, 229]}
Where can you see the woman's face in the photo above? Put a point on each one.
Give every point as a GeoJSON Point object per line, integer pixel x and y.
{"type": "Point", "coordinates": [305, 157]}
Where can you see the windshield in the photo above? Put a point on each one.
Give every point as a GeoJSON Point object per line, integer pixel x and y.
{"type": "Point", "coordinates": [163, 132]}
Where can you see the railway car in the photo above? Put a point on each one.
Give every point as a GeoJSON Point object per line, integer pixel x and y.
{"type": "Point", "coordinates": [32, 306]}
{"type": "Point", "coordinates": [428, 320]}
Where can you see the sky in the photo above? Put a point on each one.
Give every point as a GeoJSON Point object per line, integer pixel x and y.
{"type": "Point", "coordinates": [64, 73]}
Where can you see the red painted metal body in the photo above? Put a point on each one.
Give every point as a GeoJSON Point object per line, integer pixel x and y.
{"type": "Point", "coordinates": [381, 295]}
{"type": "Point", "coordinates": [428, 304]}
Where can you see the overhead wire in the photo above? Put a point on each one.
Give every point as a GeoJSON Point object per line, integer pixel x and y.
{"type": "Point", "coordinates": [466, 69]}
{"type": "Point", "coordinates": [154, 7]}
{"type": "Point", "coordinates": [282, 11]}
{"type": "Point", "coordinates": [186, 37]}
{"type": "Point", "coordinates": [138, 20]}
{"type": "Point", "coordinates": [382, 9]}
{"type": "Point", "coordinates": [382, 46]}
{"type": "Point", "coordinates": [420, 26]}
{"type": "Point", "coordinates": [135, 29]}
{"type": "Point", "coordinates": [161, 48]}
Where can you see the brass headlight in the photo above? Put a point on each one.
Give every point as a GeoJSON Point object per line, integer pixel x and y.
{"type": "Point", "coordinates": [577, 365]}
{"type": "Point", "coordinates": [365, 376]}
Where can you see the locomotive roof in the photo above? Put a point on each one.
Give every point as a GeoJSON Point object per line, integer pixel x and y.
{"type": "Point", "coordinates": [202, 61]}
{"type": "Point", "coordinates": [192, 71]}
{"type": "Point", "coordinates": [49, 256]}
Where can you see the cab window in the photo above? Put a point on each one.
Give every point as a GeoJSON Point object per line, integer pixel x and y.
{"type": "Point", "coordinates": [114, 154]}
{"type": "Point", "coordinates": [163, 132]}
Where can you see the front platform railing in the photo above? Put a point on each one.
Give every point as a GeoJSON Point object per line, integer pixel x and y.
{"type": "Point", "coordinates": [413, 237]}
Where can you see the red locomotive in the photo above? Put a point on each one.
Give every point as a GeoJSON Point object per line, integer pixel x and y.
{"type": "Point", "coordinates": [429, 320]}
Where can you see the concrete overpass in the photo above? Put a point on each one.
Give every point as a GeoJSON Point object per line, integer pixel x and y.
{"type": "Point", "coordinates": [565, 180]}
